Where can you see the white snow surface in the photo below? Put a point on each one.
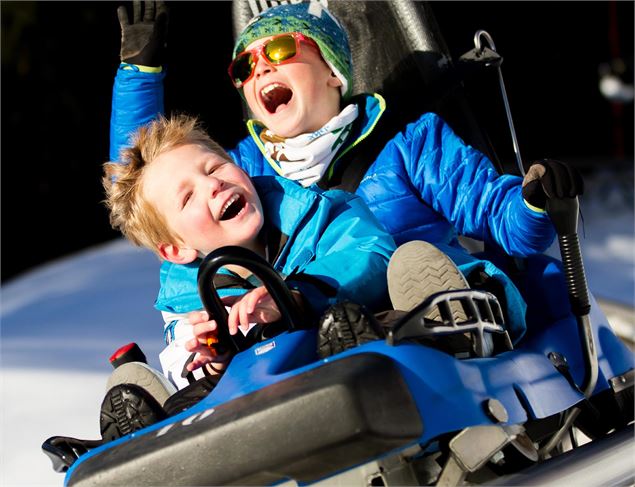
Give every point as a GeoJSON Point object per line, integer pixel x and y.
{"type": "Point", "coordinates": [59, 325]}
{"type": "Point", "coordinates": [61, 322]}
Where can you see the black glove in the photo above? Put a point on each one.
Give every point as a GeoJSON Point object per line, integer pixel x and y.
{"type": "Point", "coordinates": [143, 42]}
{"type": "Point", "coordinates": [551, 179]}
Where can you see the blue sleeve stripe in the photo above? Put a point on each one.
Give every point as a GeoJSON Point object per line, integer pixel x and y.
{"type": "Point", "coordinates": [168, 332]}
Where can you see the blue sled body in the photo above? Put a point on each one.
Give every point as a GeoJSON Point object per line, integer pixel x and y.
{"type": "Point", "coordinates": [281, 413]}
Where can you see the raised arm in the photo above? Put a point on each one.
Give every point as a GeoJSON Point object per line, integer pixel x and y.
{"type": "Point", "coordinates": [137, 94]}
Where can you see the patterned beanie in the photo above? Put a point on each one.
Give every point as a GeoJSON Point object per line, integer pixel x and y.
{"type": "Point", "coordinates": [312, 20]}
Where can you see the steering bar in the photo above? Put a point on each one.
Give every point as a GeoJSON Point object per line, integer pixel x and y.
{"type": "Point", "coordinates": [239, 256]}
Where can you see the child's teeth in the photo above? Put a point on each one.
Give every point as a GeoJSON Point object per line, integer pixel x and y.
{"type": "Point", "coordinates": [230, 201]}
{"type": "Point", "coordinates": [269, 88]}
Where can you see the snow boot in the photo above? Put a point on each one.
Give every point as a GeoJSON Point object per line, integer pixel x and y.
{"type": "Point", "coordinates": [416, 271]}
{"type": "Point", "coordinates": [346, 325]}
{"type": "Point", "coordinates": [126, 409]}
{"type": "Point", "coordinates": [135, 394]}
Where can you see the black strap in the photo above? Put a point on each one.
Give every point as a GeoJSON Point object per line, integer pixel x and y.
{"type": "Point", "coordinates": [322, 286]}
{"type": "Point", "coordinates": [225, 281]}
{"type": "Point", "coordinates": [352, 166]}
{"type": "Point", "coordinates": [190, 395]}
{"type": "Point", "coordinates": [274, 240]}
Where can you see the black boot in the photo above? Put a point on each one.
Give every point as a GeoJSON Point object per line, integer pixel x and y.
{"type": "Point", "coordinates": [346, 325]}
{"type": "Point", "coordinates": [127, 408]}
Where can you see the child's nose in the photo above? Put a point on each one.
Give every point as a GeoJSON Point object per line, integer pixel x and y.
{"type": "Point", "coordinates": [215, 186]}
{"type": "Point", "coordinates": [262, 66]}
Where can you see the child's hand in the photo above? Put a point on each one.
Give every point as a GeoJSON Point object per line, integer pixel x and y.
{"type": "Point", "coordinates": [203, 329]}
{"type": "Point", "coordinates": [257, 306]}
{"type": "Point", "coordinates": [143, 39]}
{"type": "Point", "coordinates": [551, 179]}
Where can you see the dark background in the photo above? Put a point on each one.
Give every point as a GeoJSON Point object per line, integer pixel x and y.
{"type": "Point", "coordinates": [59, 60]}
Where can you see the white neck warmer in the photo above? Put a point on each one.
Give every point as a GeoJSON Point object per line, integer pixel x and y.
{"type": "Point", "coordinates": [306, 157]}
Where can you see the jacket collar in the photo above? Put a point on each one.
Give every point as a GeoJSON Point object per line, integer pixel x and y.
{"type": "Point", "coordinates": [372, 107]}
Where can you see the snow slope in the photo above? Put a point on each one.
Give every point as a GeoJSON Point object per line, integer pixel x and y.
{"type": "Point", "coordinates": [59, 325]}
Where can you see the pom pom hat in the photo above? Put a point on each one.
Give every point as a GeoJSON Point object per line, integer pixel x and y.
{"type": "Point", "coordinates": [312, 20]}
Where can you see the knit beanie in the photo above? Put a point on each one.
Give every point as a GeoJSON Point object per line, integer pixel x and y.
{"type": "Point", "coordinates": [312, 20]}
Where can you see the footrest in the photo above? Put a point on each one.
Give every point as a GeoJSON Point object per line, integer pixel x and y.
{"type": "Point", "coordinates": [484, 321]}
{"type": "Point", "coordinates": [64, 450]}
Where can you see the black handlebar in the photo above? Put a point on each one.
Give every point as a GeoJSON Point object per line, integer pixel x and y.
{"type": "Point", "coordinates": [239, 256]}
{"type": "Point", "coordinates": [564, 216]}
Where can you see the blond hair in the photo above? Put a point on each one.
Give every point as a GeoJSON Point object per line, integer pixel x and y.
{"type": "Point", "coordinates": [130, 213]}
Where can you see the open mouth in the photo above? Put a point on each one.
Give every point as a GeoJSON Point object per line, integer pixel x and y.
{"type": "Point", "coordinates": [233, 207]}
{"type": "Point", "coordinates": [275, 95]}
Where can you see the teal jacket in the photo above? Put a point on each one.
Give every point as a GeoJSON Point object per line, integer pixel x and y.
{"type": "Point", "coordinates": [328, 246]}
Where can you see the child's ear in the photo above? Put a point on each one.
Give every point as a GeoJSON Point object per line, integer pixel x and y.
{"type": "Point", "coordinates": [334, 80]}
{"type": "Point", "coordinates": [177, 255]}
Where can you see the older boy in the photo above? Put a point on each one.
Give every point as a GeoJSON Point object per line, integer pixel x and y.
{"type": "Point", "coordinates": [292, 65]}
{"type": "Point", "coordinates": [180, 195]}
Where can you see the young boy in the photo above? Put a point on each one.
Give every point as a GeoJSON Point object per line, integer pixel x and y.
{"type": "Point", "coordinates": [180, 195]}
{"type": "Point", "coordinates": [292, 65]}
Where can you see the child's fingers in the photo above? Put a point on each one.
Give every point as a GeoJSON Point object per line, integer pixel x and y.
{"type": "Point", "coordinates": [233, 319]}
{"type": "Point", "coordinates": [201, 330]}
{"type": "Point", "coordinates": [254, 297]}
{"type": "Point", "coordinates": [197, 317]}
{"type": "Point", "coordinates": [198, 362]}
{"type": "Point", "coordinates": [243, 315]}
{"type": "Point", "coordinates": [198, 345]}
{"type": "Point", "coordinates": [202, 361]}
{"type": "Point", "coordinates": [192, 345]}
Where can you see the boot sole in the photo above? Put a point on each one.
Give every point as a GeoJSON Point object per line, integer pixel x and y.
{"type": "Point", "coordinates": [344, 327]}
{"type": "Point", "coordinates": [127, 408]}
{"type": "Point", "coordinates": [418, 270]}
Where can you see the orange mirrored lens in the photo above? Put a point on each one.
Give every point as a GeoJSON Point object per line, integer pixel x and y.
{"type": "Point", "coordinates": [277, 50]}
{"type": "Point", "coordinates": [280, 49]}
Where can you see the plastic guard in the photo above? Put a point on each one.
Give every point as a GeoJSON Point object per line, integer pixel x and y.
{"type": "Point", "coordinates": [306, 427]}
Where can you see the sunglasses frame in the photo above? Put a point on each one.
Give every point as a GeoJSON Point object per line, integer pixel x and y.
{"type": "Point", "coordinates": [259, 52]}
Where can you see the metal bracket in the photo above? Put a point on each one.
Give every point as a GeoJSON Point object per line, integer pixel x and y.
{"type": "Point", "coordinates": [473, 447]}
{"type": "Point", "coordinates": [624, 381]}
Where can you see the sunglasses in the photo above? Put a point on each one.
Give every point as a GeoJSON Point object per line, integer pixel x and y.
{"type": "Point", "coordinates": [280, 49]}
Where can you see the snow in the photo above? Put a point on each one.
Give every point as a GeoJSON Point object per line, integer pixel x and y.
{"type": "Point", "coordinates": [60, 323]}
{"type": "Point", "coordinates": [606, 232]}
